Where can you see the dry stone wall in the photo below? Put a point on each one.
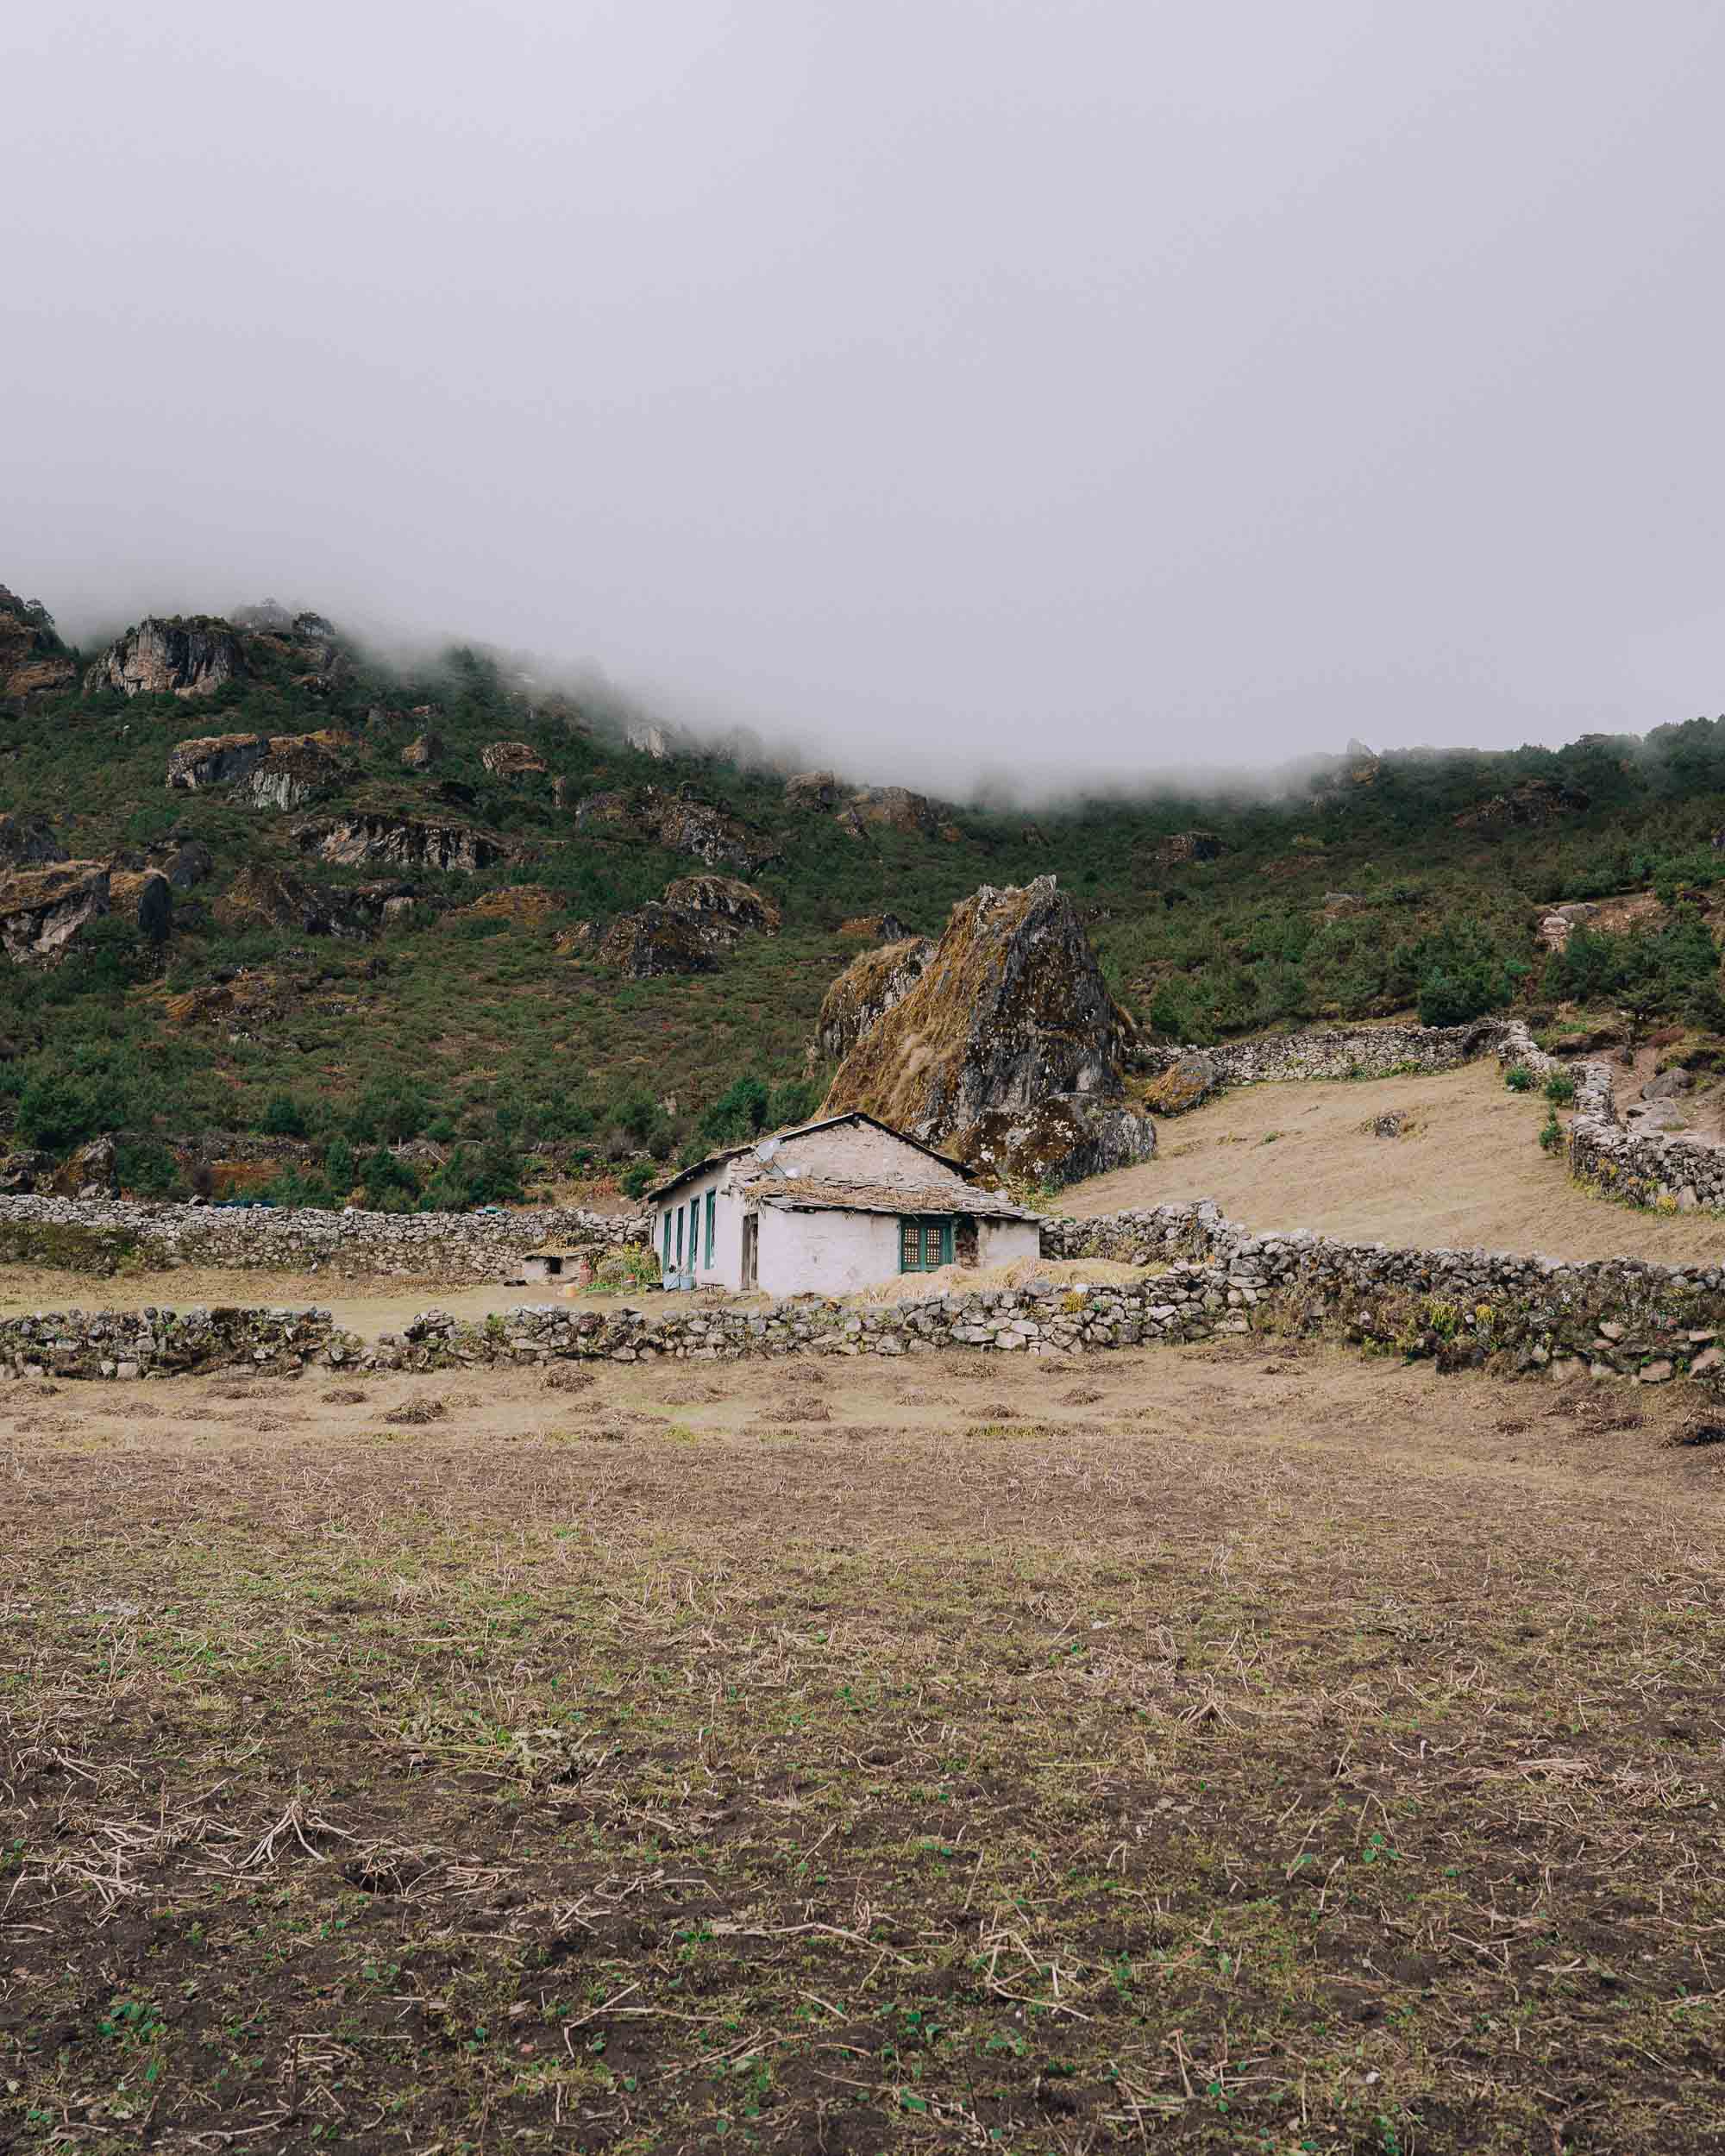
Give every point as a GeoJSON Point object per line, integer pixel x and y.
{"type": "Point", "coordinates": [1669, 1172]}
{"type": "Point", "coordinates": [452, 1248]}
{"type": "Point", "coordinates": [1462, 1309]}
{"type": "Point", "coordinates": [1354, 1051]}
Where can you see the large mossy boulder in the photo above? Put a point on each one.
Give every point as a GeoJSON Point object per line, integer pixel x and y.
{"type": "Point", "coordinates": [1009, 1027]}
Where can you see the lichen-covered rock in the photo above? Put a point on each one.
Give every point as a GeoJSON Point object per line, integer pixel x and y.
{"type": "Point", "coordinates": [889, 808]}
{"type": "Point", "coordinates": [421, 752]}
{"type": "Point", "coordinates": [1528, 806]}
{"type": "Point", "coordinates": [723, 909]}
{"type": "Point", "coordinates": [29, 842]}
{"type": "Point", "coordinates": [144, 897]}
{"type": "Point", "coordinates": [185, 657]}
{"type": "Point", "coordinates": [877, 928]}
{"type": "Point", "coordinates": [91, 1172]}
{"type": "Point", "coordinates": [1010, 1009]}
{"type": "Point", "coordinates": [863, 993]}
{"type": "Point", "coordinates": [655, 940]}
{"type": "Point", "coordinates": [683, 824]}
{"type": "Point", "coordinates": [297, 768]}
{"type": "Point", "coordinates": [42, 909]}
{"type": "Point", "coordinates": [811, 792]}
{"type": "Point", "coordinates": [1187, 846]}
{"type": "Point", "coordinates": [271, 897]}
{"type": "Point", "coordinates": [1194, 1078]}
{"type": "Point", "coordinates": [401, 842]}
{"type": "Point", "coordinates": [1064, 1139]}
{"type": "Point", "coordinates": [603, 812]}
{"type": "Point", "coordinates": [33, 660]}
{"type": "Point", "coordinates": [648, 740]}
{"type": "Point", "coordinates": [213, 759]}
{"type": "Point", "coordinates": [190, 863]}
{"type": "Point", "coordinates": [513, 761]}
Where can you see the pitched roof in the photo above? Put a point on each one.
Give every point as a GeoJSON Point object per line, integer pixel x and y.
{"type": "Point", "coordinates": [805, 1193]}
{"type": "Point", "coordinates": [802, 1129]}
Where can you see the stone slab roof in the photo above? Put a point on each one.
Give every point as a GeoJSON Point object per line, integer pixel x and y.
{"type": "Point", "coordinates": [807, 1194]}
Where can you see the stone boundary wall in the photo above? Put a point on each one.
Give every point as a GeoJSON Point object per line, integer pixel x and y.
{"type": "Point", "coordinates": [453, 1248]}
{"type": "Point", "coordinates": [1354, 1051]}
{"type": "Point", "coordinates": [1463, 1309]}
{"type": "Point", "coordinates": [1668, 1173]}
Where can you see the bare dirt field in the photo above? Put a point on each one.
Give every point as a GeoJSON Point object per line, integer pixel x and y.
{"type": "Point", "coordinates": [1246, 1748]}
{"type": "Point", "coordinates": [1466, 1171]}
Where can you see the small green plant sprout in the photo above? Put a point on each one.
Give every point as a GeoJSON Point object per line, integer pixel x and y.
{"type": "Point", "coordinates": [1519, 1078]}
{"type": "Point", "coordinates": [1561, 1089]}
{"type": "Point", "coordinates": [1551, 1133]}
{"type": "Point", "coordinates": [1270, 1138]}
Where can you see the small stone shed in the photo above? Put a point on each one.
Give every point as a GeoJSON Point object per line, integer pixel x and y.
{"type": "Point", "coordinates": [564, 1262]}
{"type": "Point", "coordinates": [827, 1208]}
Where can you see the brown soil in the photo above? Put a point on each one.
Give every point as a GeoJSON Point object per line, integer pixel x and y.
{"type": "Point", "coordinates": [1466, 1171]}
{"type": "Point", "coordinates": [1204, 1750]}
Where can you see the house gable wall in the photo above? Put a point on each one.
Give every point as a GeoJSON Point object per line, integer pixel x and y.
{"type": "Point", "coordinates": [825, 1252]}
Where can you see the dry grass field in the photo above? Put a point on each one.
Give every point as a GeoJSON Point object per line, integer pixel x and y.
{"type": "Point", "coordinates": [1255, 1748]}
{"type": "Point", "coordinates": [1468, 1171]}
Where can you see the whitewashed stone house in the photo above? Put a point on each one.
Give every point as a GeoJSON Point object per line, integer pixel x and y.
{"type": "Point", "coordinates": [828, 1208]}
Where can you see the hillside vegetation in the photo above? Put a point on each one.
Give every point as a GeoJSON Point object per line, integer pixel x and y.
{"type": "Point", "coordinates": [455, 954]}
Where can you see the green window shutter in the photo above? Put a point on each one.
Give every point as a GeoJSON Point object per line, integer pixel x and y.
{"type": "Point", "coordinates": [667, 1238]}
{"type": "Point", "coordinates": [711, 1196]}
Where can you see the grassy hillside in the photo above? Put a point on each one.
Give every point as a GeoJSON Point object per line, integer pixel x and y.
{"type": "Point", "coordinates": [1377, 885]}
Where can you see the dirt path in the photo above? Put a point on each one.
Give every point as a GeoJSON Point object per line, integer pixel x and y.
{"type": "Point", "coordinates": [1467, 1170]}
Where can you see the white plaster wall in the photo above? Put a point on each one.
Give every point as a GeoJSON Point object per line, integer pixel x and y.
{"type": "Point", "coordinates": [726, 1270]}
{"type": "Point", "coordinates": [826, 1253]}
{"type": "Point", "coordinates": [999, 1241]}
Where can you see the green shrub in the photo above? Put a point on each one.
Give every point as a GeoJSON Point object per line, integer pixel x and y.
{"type": "Point", "coordinates": [283, 1116]}
{"type": "Point", "coordinates": [1519, 1078]}
{"type": "Point", "coordinates": [639, 1177]}
{"type": "Point", "coordinates": [1552, 1133]}
{"type": "Point", "coordinates": [389, 1183]}
{"type": "Point", "coordinates": [147, 1169]}
{"type": "Point", "coordinates": [1561, 1089]}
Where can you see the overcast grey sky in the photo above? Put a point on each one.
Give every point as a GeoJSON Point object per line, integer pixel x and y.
{"type": "Point", "coordinates": [1068, 384]}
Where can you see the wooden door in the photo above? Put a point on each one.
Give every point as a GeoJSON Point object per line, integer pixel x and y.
{"type": "Point", "coordinates": [751, 1250]}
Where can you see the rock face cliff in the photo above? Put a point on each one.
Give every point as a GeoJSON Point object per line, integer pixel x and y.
{"type": "Point", "coordinates": [400, 841]}
{"type": "Point", "coordinates": [32, 657]}
{"type": "Point", "coordinates": [187, 657]}
{"type": "Point", "coordinates": [864, 993]}
{"type": "Point", "coordinates": [1007, 1049]}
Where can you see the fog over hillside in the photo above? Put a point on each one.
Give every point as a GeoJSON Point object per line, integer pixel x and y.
{"type": "Point", "coordinates": [1059, 392]}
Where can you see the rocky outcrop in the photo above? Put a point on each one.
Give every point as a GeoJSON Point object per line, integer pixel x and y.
{"type": "Point", "coordinates": [723, 909]}
{"type": "Point", "coordinates": [213, 759]}
{"type": "Point", "coordinates": [863, 993]}
{"type": "Point", "coordinates": [187, 862]}
{"type": "Point", "coordinates": [279, 771]}
{"type": "Point", "coordinates": [42, 909]}
{"type": "Point", "coordinates": [604, 813]}
{"type": "Point", "coordinates": [683, 824]}
{"type": "Point", "coordinates": [1529, 807]}
{"type": "Point", "coordinates": [298, 768]}
{"type": "Point", "coordinates": [812, 793]}
{"type": "Point", "coordinates": [1185, 846]}
{"type": "Point", "coordinates": [513, 761]}
{"type": "Point", "coordinates": [648, 741]}
{"type": "Point", "coordinates": [271, 897]}
{"type": "Point", "coordinates": [29, 842]}
{"type": "Point", "coordinates": [400, 841]}
{"type": "Point", "coordinates": [1010, 1014]}
{"type": "Point", "coordinates": [145, 898]}
{"type": "Point", "coordinates": [656, 940]}
{"type": "Point", "coordinates": [423, 752]}
{"type": "Point", "coordinates": [888, 808]}
{"type": "Point", "coordinates": [185, 657]}
{"type": "Point", "coordinates": [877, 928]}
{"type": "Point", "coordinates": [33, 660]}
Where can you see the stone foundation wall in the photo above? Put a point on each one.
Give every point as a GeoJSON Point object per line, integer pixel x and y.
{"type": "Point", "coordinates": [452, 1248]}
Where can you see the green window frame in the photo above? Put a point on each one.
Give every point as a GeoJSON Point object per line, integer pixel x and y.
{"type": "Point", "coordinates": [679, 1238]}
{"type": "Point", "coordinates": [925, 1242]}
{"type": "Point", "coordinates": [668, 1239]}
{"type": "Point", "coordinates": [711, 1197]}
